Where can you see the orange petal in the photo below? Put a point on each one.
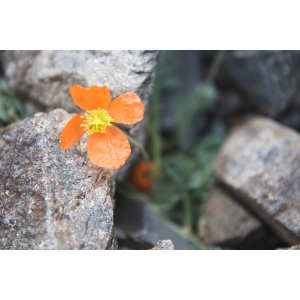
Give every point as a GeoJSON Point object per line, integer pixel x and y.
{"type": "Point", "coordinates": [90, 98]}
{"type": "Point", "coordinates": [109, 149]}
{"type": "Point", "coordinates": [72, 132]}
{"type": "Point", "coordinates": [127, 109]}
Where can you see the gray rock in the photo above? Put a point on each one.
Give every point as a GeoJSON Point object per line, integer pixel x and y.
{"type": "Point", "coordinates": [268, 79]}
{"type": "Point", "coordinates": [42, 78]}
{"type": "Point", "coordinates": [260, 165]}
{"type": "Point", "coordinates": [163, 245]}
{"type": "Point", "coordinates": [50, 198]}
{"type": "Point", "coordinates": [45, 76]}
{"type": "Point", "coordinates": [228, 224]}
{"type": "Point", "coordinates": [138, 227]}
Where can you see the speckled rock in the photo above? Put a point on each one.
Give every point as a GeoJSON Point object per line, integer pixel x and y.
{"type": "Point", "coordinates": [42, 79]}
{"type": "Point", "coordinates": [230, 225]}
{"type": "Point", "coordinates": [50, 198]}
{"type": "Point", "coordinates": [45, 76]}
{"type": "Point", "coordinates": [260, 165]}
{"type": "Point", "coordinates": [270, 80]}
{"type": "Point", "coordinates": [163, 245]}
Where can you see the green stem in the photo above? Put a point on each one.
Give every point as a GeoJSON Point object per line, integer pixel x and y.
{"type": "Point", "coordinates": [139, 146]}
{"type": "Point", "coordinates": [212, 72]}
{"type": "Point", "coordinates": [190, 116]}
{"type": "Point", "coordinates": [143, 152]}
{"type": "Point", "coordinates": [187, 212]}
{"type": "Point", "coordinates": [155, 126]}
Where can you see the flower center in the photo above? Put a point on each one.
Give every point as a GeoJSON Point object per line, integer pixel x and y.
{"type": "Point", "coordinates": [96, 121]}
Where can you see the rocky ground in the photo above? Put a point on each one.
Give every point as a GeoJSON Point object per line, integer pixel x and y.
{"type": "Point", "coordinates": [51, 199]}
{"type": "Point", "coordinates": [54, 199]}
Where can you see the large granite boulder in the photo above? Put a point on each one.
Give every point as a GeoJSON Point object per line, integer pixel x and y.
{"type": "Point", "coordinates": [270, 80]}
{"type": "Point", "coordinates": [42, 79]}
{"type": "Point", "coordinates": [259, 164]}
{"type": "Point", "coordinates": [50, 198]}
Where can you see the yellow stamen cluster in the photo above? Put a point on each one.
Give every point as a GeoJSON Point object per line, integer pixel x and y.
{"type": "Point", "coordinates": [96, 121]}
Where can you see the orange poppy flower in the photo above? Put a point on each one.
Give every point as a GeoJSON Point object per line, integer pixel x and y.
{"type": "Point", "coordinates": [107, 145]}
{"type": "Point", "coordinates": [140, 177]}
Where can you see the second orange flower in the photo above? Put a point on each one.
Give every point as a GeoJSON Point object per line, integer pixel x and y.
{"type": "Point", "coordinates": [108, 147]}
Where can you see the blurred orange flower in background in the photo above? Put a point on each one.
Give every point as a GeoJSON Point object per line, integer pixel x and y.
{"type": "Point", "coordinates": [140, 176]}
{"type": "Point", "coordinates": [107, 145]}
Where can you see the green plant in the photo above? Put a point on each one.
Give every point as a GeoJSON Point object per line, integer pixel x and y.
{"type": "Point", "coordinates": [11, 109]}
